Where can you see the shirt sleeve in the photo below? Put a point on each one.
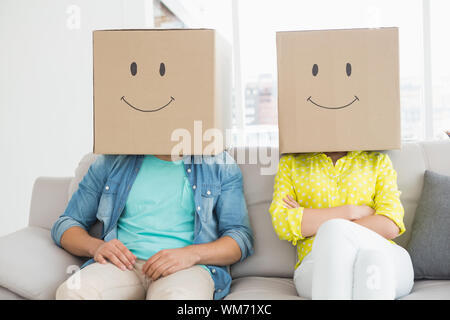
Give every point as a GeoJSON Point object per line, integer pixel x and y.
{"type": "Point", "coordinates": [231, 209]}
{"type": "Point", "coordinates": [286, 222]}
{"type": "Point", "coordinates": [387, 196]}
{"type": "Point", "coordinates": [82, 208]}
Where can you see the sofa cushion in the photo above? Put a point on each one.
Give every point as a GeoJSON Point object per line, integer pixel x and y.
{"type": "Point", "coordinates": [31, 265]}
{"type": "Point", "coordinates": [80, 172]}
{"type": "Point", "coordinates": [48, 201]}
{"type": "Point", "coordinates": [436, 154]}
{"type": "Point", "coordinates": [410, 164]}
{"type": "Point", "coordinates": [6, 294]}
{"type": "Point", "coordinates": [429, 246]}
{"type": "Point", "coordinates": [272, 257]}
{"type": "Point", "coordinates": [429, 290]}
{"type": "Point", "coordinates": [263, 288]}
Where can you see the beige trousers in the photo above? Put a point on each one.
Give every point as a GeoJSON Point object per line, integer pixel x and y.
{"type": "Point", "coordinates": [107, 282]}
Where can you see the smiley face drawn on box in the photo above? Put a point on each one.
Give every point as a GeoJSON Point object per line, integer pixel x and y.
{"type": "Point", "coordinates": [149, 83]}
{"type": "Point", "coordinates": [133, 71]}
{"type": "Point", "coordinates": [338, 90]}
{"type": "Point", "coordinates": [348, 71]}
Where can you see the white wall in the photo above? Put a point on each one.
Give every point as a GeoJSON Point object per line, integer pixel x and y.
{"type": "Point", "coordinates": [46, 90]}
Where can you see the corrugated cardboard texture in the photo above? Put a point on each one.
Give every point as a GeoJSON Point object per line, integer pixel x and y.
{"type": "Point", "coordinates": [148, 83]}
{"type": "Point", "coordinates": [338, 90]}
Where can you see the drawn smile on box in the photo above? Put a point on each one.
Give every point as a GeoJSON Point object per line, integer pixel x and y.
{"type": "Point", "coordinates": [333, 108]}
{"type": "Point", "coordinates": [148, 110]}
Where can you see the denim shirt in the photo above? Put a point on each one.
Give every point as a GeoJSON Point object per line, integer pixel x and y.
{"type": "Point", "coordinates": [220, 208]}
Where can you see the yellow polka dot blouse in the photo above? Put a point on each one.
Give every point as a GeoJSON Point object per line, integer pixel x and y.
{"type": "Point", "coordinates": [360, 177]}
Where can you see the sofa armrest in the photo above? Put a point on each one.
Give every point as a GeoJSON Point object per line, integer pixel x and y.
{"type": "Point", "coordinates": [48, 201]}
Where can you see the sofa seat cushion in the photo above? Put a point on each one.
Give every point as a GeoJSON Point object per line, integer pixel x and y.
{"type": "Point", "coordinates": [31, 265]}
{"type": "Point", "coordinates": [266, 288]}
{"type": "Point", "coordinates": [429, 290]}
{"type": "Point", "coordinates": [6, 294]}
{"type": "Point", "coordinates": [262, 288]}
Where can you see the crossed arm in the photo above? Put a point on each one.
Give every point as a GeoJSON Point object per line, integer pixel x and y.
{"type": "Point", "coordinates": [363, 215]}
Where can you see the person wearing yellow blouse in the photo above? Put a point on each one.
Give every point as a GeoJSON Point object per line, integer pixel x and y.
{"type": "Point", "coordinates": [342, 210]}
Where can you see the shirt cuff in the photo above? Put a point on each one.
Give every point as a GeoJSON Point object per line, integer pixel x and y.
{"type": "Point", "coordinates": [241, 241]}
{"type": "Point", "coordinates": [295, 217]}
{"type": "Point", "coordinates": [61, 226]}
{"type": "Point", "coordinates": [397, 219]}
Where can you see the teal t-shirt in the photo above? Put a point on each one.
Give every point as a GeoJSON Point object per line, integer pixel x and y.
{"type": "Point", "coordinates": [159, 212]}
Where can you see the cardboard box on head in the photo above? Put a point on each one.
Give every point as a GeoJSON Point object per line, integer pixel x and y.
{"type": "Point", "coordinates": [161, 91]}
{"type": "Point", "coordinates": [338, 90]}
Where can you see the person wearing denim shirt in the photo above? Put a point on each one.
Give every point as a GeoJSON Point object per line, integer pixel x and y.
{"type": "Point", "coordinates": [220, 215]}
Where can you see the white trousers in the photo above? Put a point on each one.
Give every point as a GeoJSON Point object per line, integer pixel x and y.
{"type": "Point", "coordinates": [349, 261]}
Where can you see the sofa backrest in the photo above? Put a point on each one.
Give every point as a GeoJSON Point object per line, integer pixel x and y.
{"type": "Point", "coordinates": [277, 258]}
{"type": "Point", "coordinates": [272, 257]}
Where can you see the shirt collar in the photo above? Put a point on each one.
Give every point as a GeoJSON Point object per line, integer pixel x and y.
{"type": "Point", "coordinates": [313, 155]}
{"type": "Point", "coordinates": [354, 154]}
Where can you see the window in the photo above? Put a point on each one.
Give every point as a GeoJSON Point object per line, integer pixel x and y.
{"type": "Point", "coordinates": [259, 20]}
{"type": "Point", "coordinates": [251, 25]}
{"type": "Point", "coordinates": [164, 18]}
{"type": "Point", "coordinates": [440, 68]}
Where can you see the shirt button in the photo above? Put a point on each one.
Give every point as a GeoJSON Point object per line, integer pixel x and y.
{"type": "Point", "coordinates": [194, 187]}
{"type": "Point", "coordinates": [189, 170]}
{"type": "Point", "coordinates": [213, 271]}
{"type": "Point", "coordinates": [107, 188]}
{"type": "Point", "coordinates": [208, 192]}
{"type": "Point", "coordinates": [198, 208]}
{"type": "Point", "coordinates": [219, 290]}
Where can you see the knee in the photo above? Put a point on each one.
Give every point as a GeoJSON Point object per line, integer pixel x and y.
{"type": "Point", "coordinates": [373, 276]}
{"type": "Point", "coordinates": [333, 228]}
{"type": "Point", "coordinates": [371, 257]}
{"type": "Point", "coordinates": [69, 291]}
{"type": "Point", "coordinates": [170, 293]}
{"type": "Point", "coordinates": [64, 292]}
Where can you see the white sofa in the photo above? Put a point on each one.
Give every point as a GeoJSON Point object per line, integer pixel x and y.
{"type": "Point", "coordinates": [32, 266]}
